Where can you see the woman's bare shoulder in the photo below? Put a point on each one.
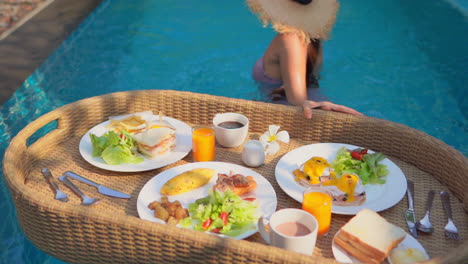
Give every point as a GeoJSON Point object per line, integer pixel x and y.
{"type": "Point", "coordinates": [289, 38]}
{"type": "Point", "coordinates": [288, 43]}
{"type": "Point", "coordinates": [284, 46]}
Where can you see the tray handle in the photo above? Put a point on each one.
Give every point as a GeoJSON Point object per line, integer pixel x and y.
{"type": "Point", "coordinates": [38, 124]}
{"type": "Point", "coordinates": [33, 149]}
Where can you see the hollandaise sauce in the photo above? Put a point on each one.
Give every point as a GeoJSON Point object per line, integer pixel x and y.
{"type": "Point", "coordinates": [313, 170]}
{"type": "Point", "coordinates": [346, 183]}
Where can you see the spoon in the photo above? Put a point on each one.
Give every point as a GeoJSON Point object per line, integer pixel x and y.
{"type": "Point", "coordinates": [424, 225]}
{"type": "Point", "coordinates": [85, 200]}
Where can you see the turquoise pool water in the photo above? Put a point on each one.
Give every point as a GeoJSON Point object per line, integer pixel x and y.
{"type": "Point", "coordinates": [403, 61]}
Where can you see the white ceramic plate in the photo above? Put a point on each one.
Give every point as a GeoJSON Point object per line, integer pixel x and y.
{"type": "Point", "coordinates": [182, 148]}
{"type": "Point", "coordinates": [264, 193]}
{"type": "Point", "coordinates": [378, 196]}
{"type": "Point", "coordinates": [343, 257]}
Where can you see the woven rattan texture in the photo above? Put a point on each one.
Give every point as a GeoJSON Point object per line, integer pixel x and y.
{"type": "Point", "coordinates": [111, 231]}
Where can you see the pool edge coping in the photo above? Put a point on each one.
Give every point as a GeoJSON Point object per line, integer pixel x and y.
{"type": "Point", "coordinates": [34, 38]}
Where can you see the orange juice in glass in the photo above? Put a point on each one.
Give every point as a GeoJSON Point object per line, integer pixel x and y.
{"type": "Point", "coordinates": [319, 204]}
{"type": "Point", "coordinates": [203, 143]}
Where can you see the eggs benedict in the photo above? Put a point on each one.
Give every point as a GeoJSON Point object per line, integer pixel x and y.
{"type": "Point", "coordinates": [347, 190]}
{"type": "Point", "coordinates": [314, 171]}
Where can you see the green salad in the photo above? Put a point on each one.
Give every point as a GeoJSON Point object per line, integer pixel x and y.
{"type": "Point", "coordinates": [221, 212]}
{"type": "Point", "coordinates": [115, 148]}
{"type": "Point", "coordinates": [364, 164]}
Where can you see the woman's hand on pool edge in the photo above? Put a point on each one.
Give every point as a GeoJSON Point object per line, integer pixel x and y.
{"type": "Point", "coordinates": [328, 106]}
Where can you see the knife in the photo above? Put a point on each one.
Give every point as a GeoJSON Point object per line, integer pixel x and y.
{"type": "Point", "coordinates": [410, 215]}
{"type": "Point", "coordinates": [101, 189]}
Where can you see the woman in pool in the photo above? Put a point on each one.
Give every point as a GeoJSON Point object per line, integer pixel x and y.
{"type": "Point", "coordinates": [289, 68]}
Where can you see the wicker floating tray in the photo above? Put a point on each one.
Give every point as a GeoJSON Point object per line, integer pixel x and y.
{"type": "Point", "coordinates": [112, 232]}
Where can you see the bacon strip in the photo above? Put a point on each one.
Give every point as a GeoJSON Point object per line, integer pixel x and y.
{"type": "Point", "coordinates": [238, 184]}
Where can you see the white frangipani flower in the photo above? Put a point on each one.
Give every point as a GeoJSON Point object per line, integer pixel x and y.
{"type": "Point", "coordinates": [270, 137]}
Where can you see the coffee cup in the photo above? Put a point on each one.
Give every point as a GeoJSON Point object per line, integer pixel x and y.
{"type": "Point", "coordinates": [231, 129]}
{"type": "Point", "coordinates": [292, 229]}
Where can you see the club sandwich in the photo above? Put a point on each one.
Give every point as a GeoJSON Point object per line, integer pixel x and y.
{"type": "Point", "coordinates": [155, 141]}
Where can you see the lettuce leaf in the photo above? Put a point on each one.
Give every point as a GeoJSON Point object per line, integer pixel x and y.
{"type": "Point", "coordinates": [369, 169]}
{"type": "Point", "coordinates": [377, 170]}
{"type": "Point", "coordinates": [241, 213]}
{"type": "Point", "coordinates": [118, 154]}
{"type": "Point", "coordinates": [115, 148]}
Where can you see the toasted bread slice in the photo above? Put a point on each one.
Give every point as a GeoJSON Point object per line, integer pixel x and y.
{"type": "Point", "coordinates": [369, 237]}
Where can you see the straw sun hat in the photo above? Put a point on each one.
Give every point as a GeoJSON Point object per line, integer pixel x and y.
{"type": "Point", "coordinates": [313, 20]}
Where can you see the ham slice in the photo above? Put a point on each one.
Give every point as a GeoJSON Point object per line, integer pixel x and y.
{"type": "Point", "coordinates": [237, 183]}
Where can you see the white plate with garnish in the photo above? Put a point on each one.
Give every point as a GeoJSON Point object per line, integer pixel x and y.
{"type": "Point", "coordinates": [378, 196]}
{"type": "Point", "coordinates": [264, 194]}
{"type": "Point", "coordinates": [183, 146]}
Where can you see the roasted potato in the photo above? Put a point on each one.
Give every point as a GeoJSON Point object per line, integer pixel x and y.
{"type": "Point", "coordinates": [170, 212]}
{"type": "Point", "coordinates": [161, 213]}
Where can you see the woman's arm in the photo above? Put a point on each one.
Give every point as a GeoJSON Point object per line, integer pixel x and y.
{"type": "Point", "coordinates": [308, 105]}
{"type": "Point", "coordinates": [292, 58]}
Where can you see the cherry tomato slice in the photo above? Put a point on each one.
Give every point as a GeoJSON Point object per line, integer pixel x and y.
{"type": "Point", "coordinates": [207, 223]}
{"type": "Point", "coordinates": [356, 155]}
{"type": "Point", "coordinates": [224, 216]}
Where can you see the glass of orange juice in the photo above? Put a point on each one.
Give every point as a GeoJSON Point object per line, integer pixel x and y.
{"type": "Point", "coordinates": [319, 204]}
{"type": "Point", "coordinates": [203, 143]}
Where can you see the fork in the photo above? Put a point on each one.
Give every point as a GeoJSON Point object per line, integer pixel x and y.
{"type": "Point", "coordinates": [59, 195]}
{"type": "Point", "coordinates": [451, 230]}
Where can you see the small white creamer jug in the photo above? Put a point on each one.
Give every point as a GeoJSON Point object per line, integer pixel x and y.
{"type": "Point", "coordinates": [253, 154]}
